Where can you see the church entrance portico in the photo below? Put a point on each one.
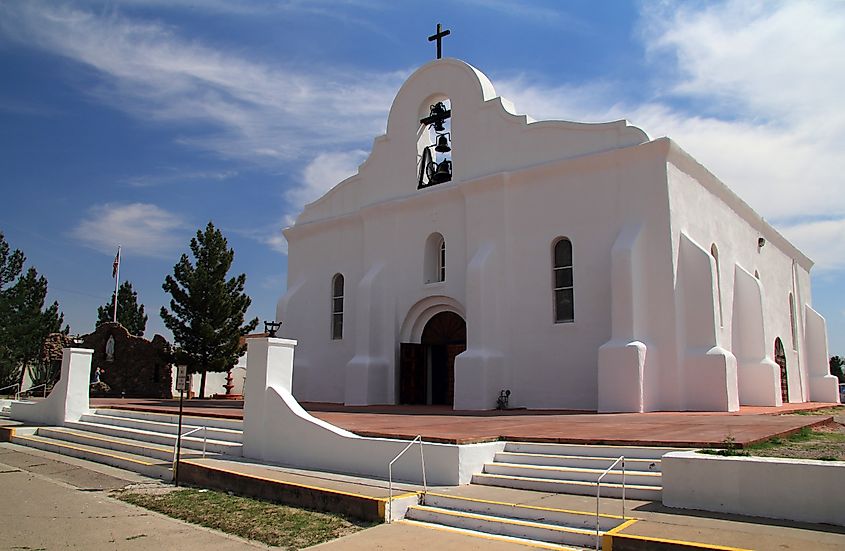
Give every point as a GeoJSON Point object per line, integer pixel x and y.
{"type": "Point", "coordinates": [427, 368]}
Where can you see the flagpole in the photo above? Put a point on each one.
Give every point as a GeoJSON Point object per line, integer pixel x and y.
{"type": "Point", "coordinates": [116, 281]}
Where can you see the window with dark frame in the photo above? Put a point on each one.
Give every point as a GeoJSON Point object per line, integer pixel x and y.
{"type": "Point", "coordinates": [441, 264]}
{"type": "Point", "coordinates": [563, 281]}
{"type": "Point", "coordinates": [337, 307]}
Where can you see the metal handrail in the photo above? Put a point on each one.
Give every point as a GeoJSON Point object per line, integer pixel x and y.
{"type": "Point", "coordinates": [30, 389]}
{"type": "Point", "coordinates": [390, 475]}
{"type": "Point", "coordinates": [190, 432]}
{"type": "Point", "coordinates": [17, 387]}
{"type": "Point", "coordinates": [598, 494]}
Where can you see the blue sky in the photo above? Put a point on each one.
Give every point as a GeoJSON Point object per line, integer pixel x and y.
{"type": "Point", "coordinates": [137, 122]}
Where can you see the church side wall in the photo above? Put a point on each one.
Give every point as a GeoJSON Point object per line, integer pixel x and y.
{"type": "Point", "coordinates": [554, 365]}
{"type": "Point", "coordinates": [314, 258]}
{"type": "Point", "coordinates": [709, 219]}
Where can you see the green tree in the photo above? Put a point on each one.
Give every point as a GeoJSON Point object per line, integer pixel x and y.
{"type": "Point", "coordinates": [836, 365]}
{"type": "Point", "coordinates": [24, 322]}
{"type": "Point", "coordinates": [129, 314]}
{"type": "Point", "coordinates": [207, 318]}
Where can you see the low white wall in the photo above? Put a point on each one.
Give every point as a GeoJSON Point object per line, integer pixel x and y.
{"type": "Point", "coordinates": [214, 381]}
{"type": "Point", "coordinates": [793, 489]}
{"type": "Point", "coordinates": [277, 429]}
{"type": "Point", "coordinates": [68, 400]}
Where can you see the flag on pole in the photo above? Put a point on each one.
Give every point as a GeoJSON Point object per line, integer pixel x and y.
{"type": "Point", "coordinates": [116, 263]}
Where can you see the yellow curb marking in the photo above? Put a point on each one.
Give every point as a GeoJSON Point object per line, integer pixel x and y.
{"type": "Point", "coordinates": [576, 469]}
{"type": "Point", "coordinates": [693, 544]}
{"type": "Point", "coordinates": [298, 484]}
{"type": "Point", "coordinates": [517, 522]}
{"type": "Point", "coordinates": [534, 507]}
{"type": "Point", "coordinates": [101, 439]}
{"type": "Point", "coordinates": [480, 535]}
{"type": "Point", "coordinates": [68, 446]}
{"type": "Point", "coordinates": [622, 526]}
{"type": "Point", "coordinates": [575, 482]}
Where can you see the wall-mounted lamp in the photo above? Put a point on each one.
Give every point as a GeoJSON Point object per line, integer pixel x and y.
{"type": "Point", "coordinates": [270, 327]}
{"type": "Point", "coordinates": [760, 242]}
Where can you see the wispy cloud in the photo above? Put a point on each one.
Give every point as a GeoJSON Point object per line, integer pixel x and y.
{"type": "Point", "coordinates": [142, 228]}
{"type": "Point", "coordinates": [748, 90]}
{"type": "Point", "coordinates": [242, 108]}
{"type": "Point", "coordinates": [174, 176]}
{"type": "Point", "coordinates": [320, 175]}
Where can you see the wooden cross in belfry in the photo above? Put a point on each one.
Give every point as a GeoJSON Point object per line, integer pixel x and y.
{"type": "Point", "coordinates": [438, 36]}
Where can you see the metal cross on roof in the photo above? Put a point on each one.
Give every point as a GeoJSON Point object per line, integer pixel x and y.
{"type": "Point", "coordinates": [438, 36]}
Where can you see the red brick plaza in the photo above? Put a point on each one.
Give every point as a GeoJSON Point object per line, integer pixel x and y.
{"type": "Point", "coordinates": [442, 424]}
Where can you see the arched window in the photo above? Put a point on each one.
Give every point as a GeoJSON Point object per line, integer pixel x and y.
{"type": "Point", "coordinates": [434, 264]}
{"type": "Point", "coordinates": [715, 252]}
{"type": "Point", "coordinates": [441, 261]}
{"type": "Point", "coordinates": [562, 281]}
{"type": "Point", "coordinates": [792, 324]}
{"type": "Point", "coordinates": [337, 307]}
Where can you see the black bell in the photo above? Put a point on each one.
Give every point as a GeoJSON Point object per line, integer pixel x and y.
{"type": "Point", "coordinates": [443, 173]}
{"type": "Point", "coordinates": [437, 115]}
{"type": "Point", "coordinates": [442, 144]}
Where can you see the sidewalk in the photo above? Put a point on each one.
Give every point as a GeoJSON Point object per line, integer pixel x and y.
{"type": "Point", "coordinates": [56, 502]}
{"type": "Point", "coordinates": [44, 486]}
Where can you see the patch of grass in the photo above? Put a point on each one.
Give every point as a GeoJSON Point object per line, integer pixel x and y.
{"type": "Point", "coordinates": [270, 523]}
{"type": "Point", "coordinates": [725, 452]}
{"type": "Point", "coordinates": [834, 410]}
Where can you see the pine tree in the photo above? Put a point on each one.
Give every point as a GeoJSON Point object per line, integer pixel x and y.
{"type": "Point", "coordinates": [207, 318]}
{"type": "Point", "coordinates": [24, 323]}
{"type": "Point", "coordinates": [129, 314]}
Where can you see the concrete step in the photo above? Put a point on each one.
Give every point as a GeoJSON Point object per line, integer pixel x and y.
{"type": "Point", "coordinates": [574, 473]}
{"type": "Point", "coordinates": [561, 517]}
{"type": "Point", "coordinates": [611, 452]}
{"type": "Point", "coordinates": [214, 433]}
{"type": "Point", "coordinates": [140, 464]}
{"type": "Point", "coordinates": [493, 537]}
{"type": "Point", "coordinates": [631, 464]}
{"type": "Point", "coordinates": [168, 439]}
{"type": "Point", "coordinates": [172, 418]}
{"type": "Point", "coordinates": [135, 447]}
{"type": "Point", "coordinates": [504, 526]}
{"type": "Point", "coordinates": [576, 487]}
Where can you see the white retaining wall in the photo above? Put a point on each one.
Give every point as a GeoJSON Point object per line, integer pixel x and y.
{"type": "Point", "coordinates": [793, 489]}
{"type": "Point", "coordinates": [68, 400]}
{"type": "Point", "coordinates": [277, 429]}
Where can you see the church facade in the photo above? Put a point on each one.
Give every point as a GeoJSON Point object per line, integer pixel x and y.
{"type": "Point", "coordinates": [577, 266]}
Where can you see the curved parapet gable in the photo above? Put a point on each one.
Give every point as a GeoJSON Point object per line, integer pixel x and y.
{"type": "Point", "coordinates": [488, 137]}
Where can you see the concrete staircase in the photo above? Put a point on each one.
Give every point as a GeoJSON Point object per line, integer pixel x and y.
{"type": "Point", "coordinates": [546, 468]}
{"type": "Point", "coordinates": [137, 441]}
{"type": "Point", "coordinates": [541, 527]}
{"type": "Point", "coordinates": [574, 469]}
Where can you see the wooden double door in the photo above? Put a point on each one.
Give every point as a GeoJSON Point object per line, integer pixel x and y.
{"type": "Point", "coordinates": [427, 368]}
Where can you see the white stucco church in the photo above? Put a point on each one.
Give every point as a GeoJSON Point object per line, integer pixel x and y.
{"type": "Point", "coordinates": [579, 266]}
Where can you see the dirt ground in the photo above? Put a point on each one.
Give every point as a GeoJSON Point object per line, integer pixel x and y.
{"type": "Point", "coordinates": [825, 443]}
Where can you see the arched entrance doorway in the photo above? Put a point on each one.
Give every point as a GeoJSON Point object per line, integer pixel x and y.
{"type": "Point", "coordinates": [780, 359]}
{"type": "Point", "coordinates": [427, 369]}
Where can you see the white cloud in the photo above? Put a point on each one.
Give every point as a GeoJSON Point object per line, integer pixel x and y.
{"type": "Point", "coordinates": [256, 111]}
{"type": "Point", "coordinates": [174, 176]}
{"type": "Point", "coordinates": [753, 92]}
{"type": "Point", "coordinates": [822, 240]}
{"type": "Point", "coordinates": [323, 173]}
{"type": "Point", "coordinates": [141, 229]}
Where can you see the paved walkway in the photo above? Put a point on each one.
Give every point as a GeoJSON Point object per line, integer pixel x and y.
{"type": "Point", "coordinates": [56, 502]}
{"type": "Point", "coordinates": [441, 424]}
{"type": "Point", "coordinates": [53, 502]}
